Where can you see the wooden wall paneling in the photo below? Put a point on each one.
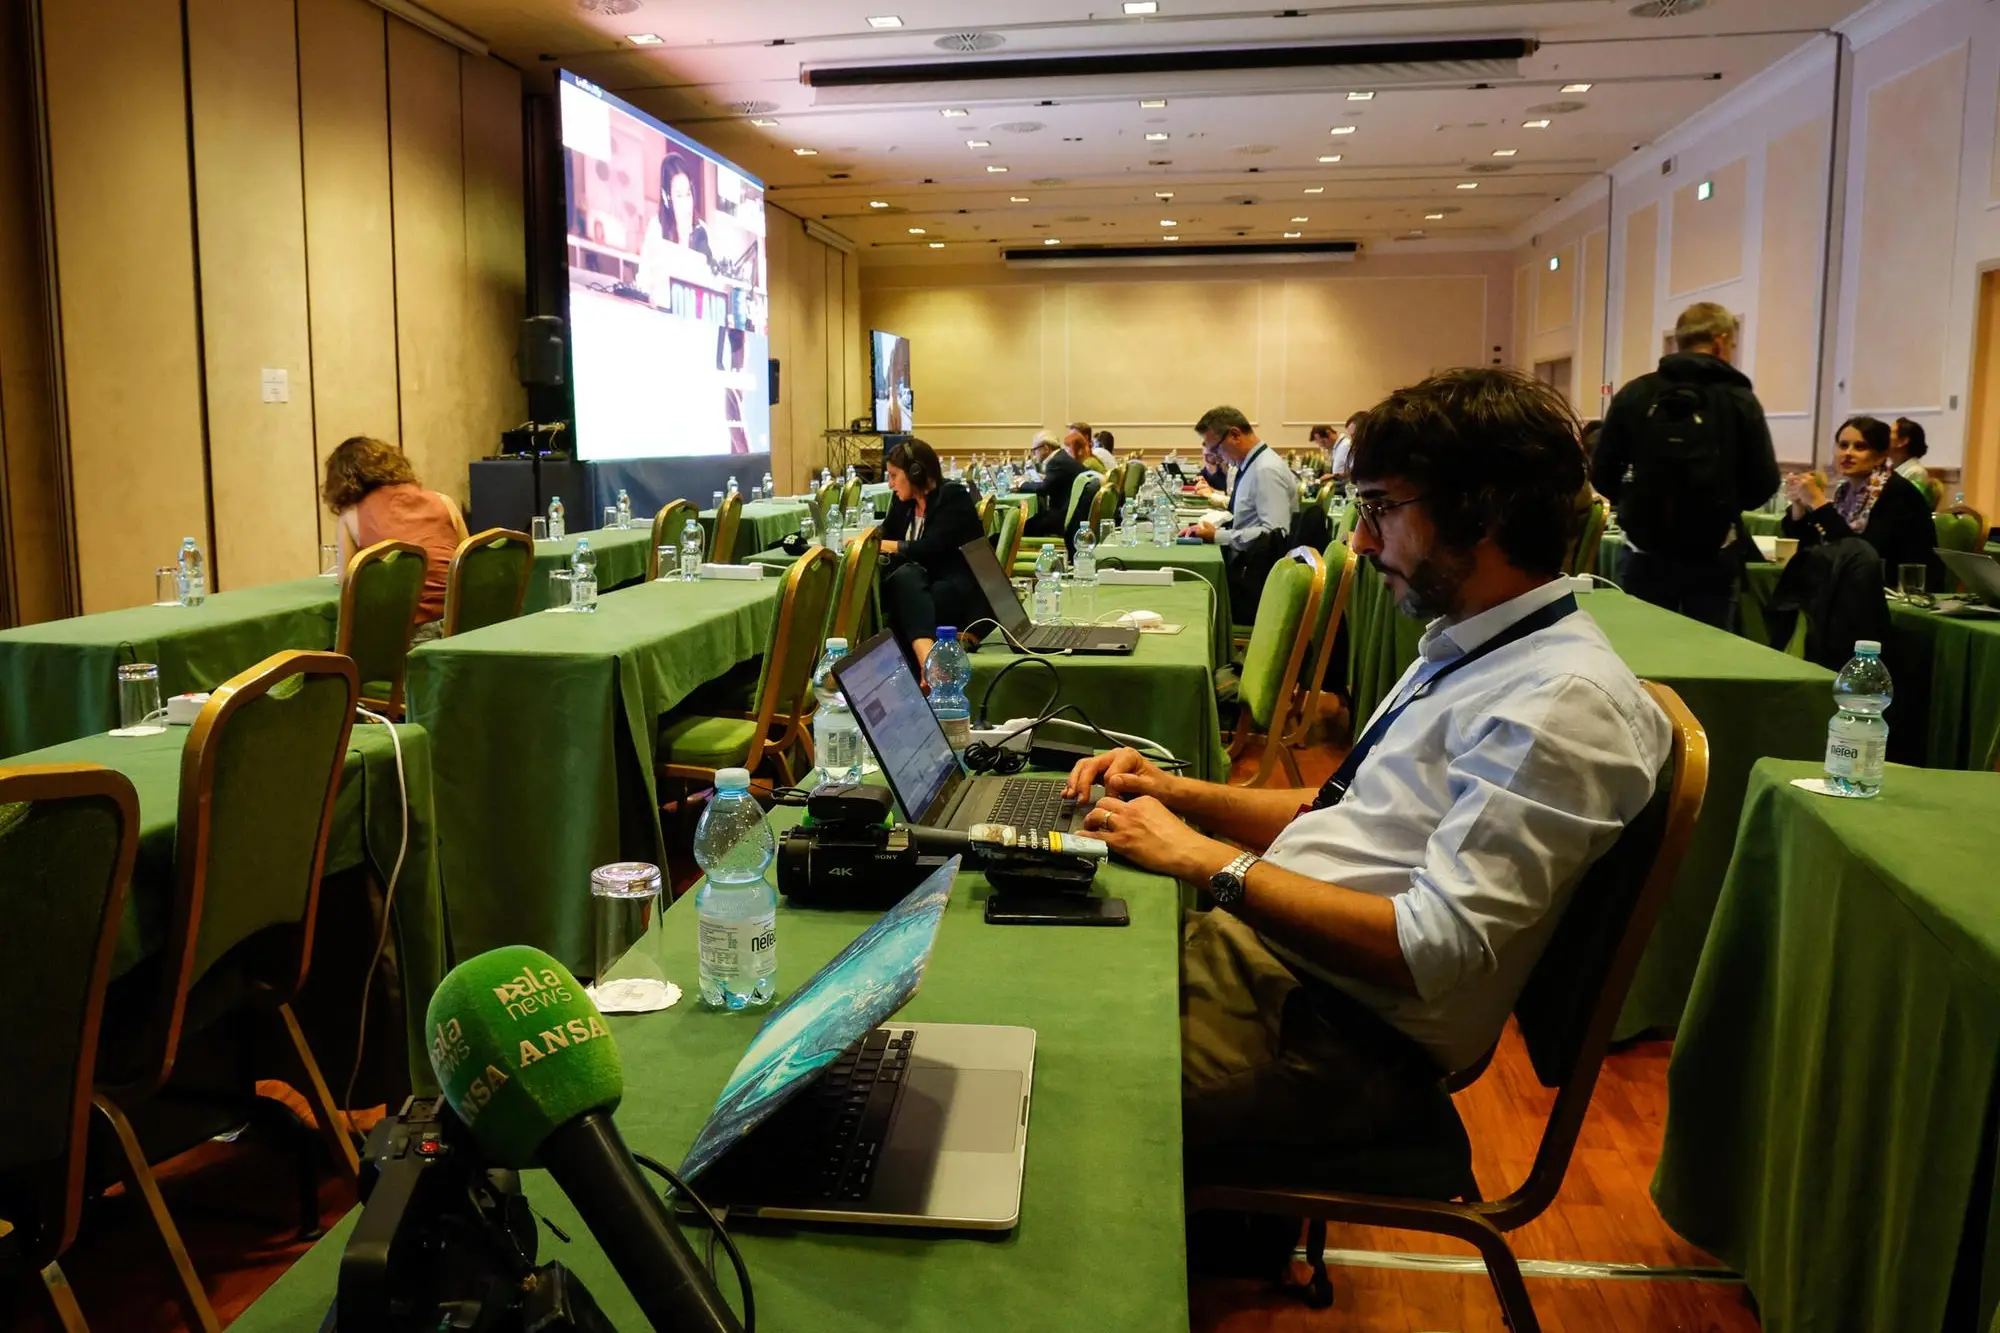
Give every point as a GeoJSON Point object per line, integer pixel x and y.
{"type": "Point", "coordinates": [1591, 370]}
{"type": "Point", "coordinates": [1788, 267]}
{"type": "Point", "coordinates": [1706, 245]}
{"type": "Point", "coordinates": [1638, 339]}
{"type": "Point", "coordinates": [426, 172]}
{"type": "Point", "coordinates": [495, 253]}
{"type": "Point", "coordinates": [978, 361]}
{"type": "Point", "coordinates": [854, 388]}
{"type": "Point", "coordinates": [1524, 318]}
{"type": "Point", "coordinates": [1140, 353]}
{"type": "Point", "coordinates": [350, 252]}
{"type": "Point", "coordinates": [126, 288]}
{"type": "Point", "coordinates": [833, 394]}
{"type": "Point", "coordinates": [1555, 291]}
{"type": "Point", "coordinates": [249, 200]}
{"type": "Point", "coordinates": [808, 386]}
{"type": "Point", "coordinates": [1349, 342]}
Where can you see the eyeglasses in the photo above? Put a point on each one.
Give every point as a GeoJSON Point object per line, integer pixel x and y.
{"type": "Point", "coordinates": [1370, 512]}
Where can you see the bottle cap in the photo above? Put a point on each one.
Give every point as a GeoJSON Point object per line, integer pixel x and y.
{"type": "Point", "coordinates": [1868, 646]}
{"type": "Point", "coordinates": [947, 632]}
{"type": "Point", "coordinates": [836, 642]}
{"type": "Point", "coordinates": [732, 779]}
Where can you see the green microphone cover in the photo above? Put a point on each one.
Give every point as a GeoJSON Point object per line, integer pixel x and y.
{"type": "Point", "coordinates": [520, 1050]}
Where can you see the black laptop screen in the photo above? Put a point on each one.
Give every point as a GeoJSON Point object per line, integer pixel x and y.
{"type": "Point", "coordinates": [892, 712]}
{"type": "Point", "coordinates": [999, 592]}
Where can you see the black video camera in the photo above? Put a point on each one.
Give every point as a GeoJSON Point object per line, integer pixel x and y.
{"type": "Point", "coordinates": [846, 855]}
{"type": "Point", "coordinates": [446, 1241]}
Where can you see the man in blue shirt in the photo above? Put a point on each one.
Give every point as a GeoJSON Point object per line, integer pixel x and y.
{"type": "Point", "coordinates": [1262, 507]}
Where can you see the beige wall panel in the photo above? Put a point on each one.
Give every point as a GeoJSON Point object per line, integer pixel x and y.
{"type": "Point", "coordinates": [1348, 344]}
{"type": "Point", "coordinates": [350, 255]}
{"type": "Point", "coordinates": [1591, 372]}
{"type": "Point", "coordinates": [1555, 291]}
{"type": "Point", "coordinates": [426, 156]}
{"type": "Point", "coordinates": [1638, 339]}
{"type": "Point", "coordinates": [495, 252]}
{"type": "Point", "coordinates": [781, 236]}
{"type": "Point", "coordinates": [1908, 228]}
{"type": "Point", "coordinates": [1161, 351]}
{"type": "Point", "coordinates": [249, 200]}
{"type": "Point", "coordinates": [854, 396]}
{"type": "Point", "coordinates": [1788, 267]}
{"type": "Point", "coordinates": [117, 128]}
{"type": "Point", "coordinates": [1522, 352]}
{"type": "Point", "coordinates": [809, 332]}
{"type": "Point", "coordinates": [976, 359]}
{"type": "Point", "coordinates": [834, 396]}
{"type": "Point", "coordinates": [1708, 234]}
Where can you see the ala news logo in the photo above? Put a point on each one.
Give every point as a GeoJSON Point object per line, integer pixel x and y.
{"type": "Point", "coordinates": [532, 991]}
{"type": "Point", "coordinates": [448, 1047]}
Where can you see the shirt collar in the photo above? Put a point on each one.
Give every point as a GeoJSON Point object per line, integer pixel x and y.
{"type": "Point", "coordinates": [1248, 458]}
{"type": "Point", "coordinates": [1442, 642]}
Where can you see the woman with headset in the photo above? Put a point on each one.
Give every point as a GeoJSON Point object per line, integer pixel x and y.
{"type": "Point", "coordinates": [926, 581]}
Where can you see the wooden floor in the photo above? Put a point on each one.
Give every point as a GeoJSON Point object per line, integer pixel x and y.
{"type": "Point", "coordinates": [233, 1204]}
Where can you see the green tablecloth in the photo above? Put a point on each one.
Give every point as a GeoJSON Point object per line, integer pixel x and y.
{"type": "Point", "coordinates": [1165, 690]}
{"type": "Point", "coordinates": [622, 558]}
{"type": "Point", "coordinates": [1830, 1126]}
{"type": "Point", "coordinates": [58, 679]}
{"type": "Point", "coordinates": [1099, 1242]}
{"type": "Point", "coordinates": [367, 827]}
{"type": "Point", "coordinates": [1029, 502]}
{"type": "Point", "coordinates": [1947, 674]}
{"type": "Point", "coordinates": [879, 497]}
{"type": "Point", "coordinates": [764, 524]}
{"type": "Point", "coordinates": [542, 732]}
{"type": "Point", "coordinates": [1752, 701]}
{"type": "Point", "coordinates": [1762, 524]}
{"type": "Point", "coordinates": [1204, 560]}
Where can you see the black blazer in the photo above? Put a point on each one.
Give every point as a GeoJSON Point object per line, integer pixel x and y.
{"type": "Point", "coordinates": [1899, 528]}
{"type": "Point", "coordinates": [1059, 474]}
{"type": "Point", "coordinates": [951, 519]}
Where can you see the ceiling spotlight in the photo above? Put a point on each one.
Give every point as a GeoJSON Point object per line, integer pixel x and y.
{"type": "Point", "coordinates": [937, 245]}
{"type": "Point", "coordinates": [1534, 124]}
{"type": "Point", "coordinates": [1315, 189]}
{"type": "Point", "coordinates": [1416, 231]}
{"type": "Point", "coordinates": [1051, 240]}
{"type": "Point", "coordinates": [1331, 157]}
{"type": "Point", "coordinates": [1163, 194]}
{"type": "Point", "coordinates": [878, 203]}
{"type": "Point", "coordinates": [884, 21]}
{"type": "Point", "coordinates": [1361, 97]}
{"type": "Point", "coordinates": [1170, 238]}
{"type": "Point", "coordinates": [763, 122]}
{"type": "Point", "coordinates": [1341, 129]}
{"type": "Point", "coordinates": [806, 152]}
{"type": "Point", "coordinates": [1017, 198]}
{"type": "Point", "coordinates": [951, 111]}
{"type": "Point", "coordinates": [644, 38]}
{"type": "Point", "coordinates": [1157, 136]}
{"type": "Point", "coordinates": [1293, 235]}
{"type": "Point", "coordinates": [1576, 87]}
{"type": "Point", "coordinates": [1434, 217]}
{"type": "Point", "coordinates": [1137, 7]}
{"type": "Point", "coordinates": [1168, 222]}
{"type": "Point", "coordinates": [1468, 185]}
{"type": "Point", "coordinates": [1505, 152]}
{"type": "Point", "coordinates": [978, 143]}
{"type": "Point", "coordinates": [916, 231]}
{"type": "Point", "coordinates": [1152, 103]}
{"type": "Point", "coordinates": [996, 170]}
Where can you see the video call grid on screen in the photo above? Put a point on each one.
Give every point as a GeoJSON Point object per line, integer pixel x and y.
{"type": "Point", "coordinates": [669, 297]}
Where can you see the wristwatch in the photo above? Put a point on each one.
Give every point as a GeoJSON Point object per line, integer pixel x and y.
{"type": "Point", "coordinates": [1226, 884]}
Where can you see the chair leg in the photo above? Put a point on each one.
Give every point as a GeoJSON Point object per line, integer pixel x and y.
{"type": "Point", "coordinates": [1291, 765]}
{"type": "Point", "coordinates": [332, 1122]}
{"type": "Point", "coordinates": [1319, 1288]}
{"type": "Point", "coordinates": [199, 1314]}
{"type": "Point", "coordinates": [1515, 1307]}
{"type": "Point", "coordinates": [69, 1315]}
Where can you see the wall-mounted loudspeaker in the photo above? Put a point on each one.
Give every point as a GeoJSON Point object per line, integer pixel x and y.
{"type": "Point", "coordinates": [538, 357]}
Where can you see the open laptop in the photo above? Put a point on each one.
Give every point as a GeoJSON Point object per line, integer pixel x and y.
{"type": "Point", "coordinates": [917, 761]}
{"type": "Point", "coordinates": [831, 1116]}
{"type": "Point", "coordinates": [1980, 574]}
{"type": "Point", "coordinates": [1013, 618]}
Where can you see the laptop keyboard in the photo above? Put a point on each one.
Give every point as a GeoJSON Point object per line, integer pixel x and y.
{"type": "Point", "coordinates": [1030, 803]}
{"type": "Point", "coordinates": [843, 1120]}
{"type": "Point", "coordinates": [1061, 636]}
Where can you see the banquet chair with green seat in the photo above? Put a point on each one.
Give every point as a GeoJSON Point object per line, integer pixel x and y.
{"type": "Point", "coordinates": [1264, 691]}
{"type": "Point", "coordinates": [824, 499]}
{"type": "Point", "coordinates": [1566, 1012]}
{"type": "Point", "coordinates": [1104, 507]}
{"type": "Point", "coordinates": [260, 771]}
{"type": "Point", "coordinates": [1960, 528]}
{"type": "Point", "coordinates": [1003, 529]}
{"type": "Point", "coordinates": [850, 495]}
{"type": "Point", "coordinates": [68, 836]}
{"type": "Point", "coordinates": [1581, 558]}
{"type": "Point", "coordinates": [1132, 478]}
{"type": "Point", "coordinates": [984, 508]}
{"type": "Point", "coordinates": [488, 580]}
{"type": "Point", "coordinates": [378, 613]}
{"type": "Point", "coordinates": [1083, 493]}
{"type": "Point", "coordinates": [668, 525]}
{"type": "Point", "coordinates": [1339, 564]}
{"type": "Point", "coordinates": [693, 742]}
{"type": "Point", "coordinates": [728, 518]}
{"type": "Point", "coordinates": [855, 585]}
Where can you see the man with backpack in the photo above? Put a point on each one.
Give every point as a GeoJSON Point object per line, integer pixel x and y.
{"type": "Point", "coordinates": [1684, 452]}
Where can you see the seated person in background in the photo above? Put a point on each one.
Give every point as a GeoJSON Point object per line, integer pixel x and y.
{"type": "Point", "coordinates": [1044, 445]}
{"type": "Point", "coordinates": [1872, 501]}
{"type": "Point", "coordinates": [1106, 446]}
{"type": "Point", "coordinates": [1907, 448]}
{"type": "Point", "coordinates": [1090, 458]}
{"type": "Point", "coordinates": [1212, 482]}
{"type": "Point", "coordinates": [1063, 470]}
{"type": "Point", "coordinates": [1323, 443]}
{"type": "Point", "coordinates": [925, 580]}
{"type": "Point", "coordinates": [1379, 932]}
{"type": "Point", "coordinates": [1262, 508]}
{"type": "Point", "coordinates": [377, 498]}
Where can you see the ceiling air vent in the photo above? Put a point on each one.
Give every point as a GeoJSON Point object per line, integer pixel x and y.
{"type": "Point", "coordinates": [1667, 167]}
{"type": "Point", "coordinates": [1074, 217]}
{"type": "Point", "coordinates": [1254, 149]}
{"type": "Point", "coordinates": [1666, 9]}
{"type": "Point", "coordinates": [964, 43]}
{"type": "Point", "coordinates": [1019, 127]}
{"type": "Point", "coordinates": [753, 108]}
{"type": "Point", "coordinates": [1489, 168]}
{"type": "Point", "coordinates": [1048, 182]}
{"type": "Point", "coordinates": [607, 7]}
{"type": "Point", "coordinates": [1555, 108]}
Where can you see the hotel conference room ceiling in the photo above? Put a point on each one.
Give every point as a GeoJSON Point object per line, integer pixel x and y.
{"type": "Point", "coordinates": [1458, 152]}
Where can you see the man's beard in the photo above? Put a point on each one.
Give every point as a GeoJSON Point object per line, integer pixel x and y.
{"type": "Point", "coordinates": [1431, 588]}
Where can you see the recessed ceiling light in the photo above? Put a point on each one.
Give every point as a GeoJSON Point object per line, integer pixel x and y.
{"type": "Point", "coordinates": [978, 143]}
{"type": "Point", "coordinates": [1017, 198]}
{"type": "Point", "coordinates": [937, 245]}
{"type": "Point", "coordinates": [1576, 87]}
{"type": "Point", "coordinates": [878, 203]}
{"type": "Point", "coordinates": [996, 170]}
{"type": "Point", "coordinates": [1434, 217]}
{"type": "Point", "coordinates": [644, 38]}
{"type": "Point", "coordinates": [916, 231]}
{"type": "Point", "coordinates": [1331, 157]}
{"type": "Point", "coordinates": [1534, 124]}
{"type": "Point", "coordinates": [1156, 136]}
{"type": "Point", "coordinates": [1170, 238]}
{"type": "Point", "coordinates": [954, 111]}
{"type": "Point", "coordinates": [1341, 129]}
{"type": "Point", "coordinates": [1051, 240]}
{"type": "Point", "coordinates": [1315, 189]}
{"type": "Point", "coordinates": [884, 21]}
{"type": "Point", "coordinates": [1468, 185]}
{"type": "Point", "coordinates": [1302, 219]}
{"type": "Point", "coordinates": [1361, 97]}
{"type": "Point", "coordinates": [765, 123]}
{"type": "Point", "coordinates": [1505, 152]}
{"type": "Point", "coordinates": [1293, 235]}
{"type": "Point", "coordinates": [1142, 6]}
{"type": "Point", "coordinates": [806, 152]}
{"type": "Point", "coordinates": [1163, 194]}
{"type": "Point", "coordinates": [1416, 231]}
{"type": "Point", "coordinates": [1152, 103]}
{"type": "Point", "coordinates": [1168, 222]}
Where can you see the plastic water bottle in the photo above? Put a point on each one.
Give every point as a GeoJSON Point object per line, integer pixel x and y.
{"type": "Point", "coordinates": [192, 581]}
{"type": "Point", "coordinates": [1047, 608]}
{"type": "Point", "coordinates": [807, 532]}
{"type": "Point", "coordinates": [731, 488]}
{"type": "Point", "coordinates": [1163, 520]}
{"type": "Point", "coordinates": [1857, 739]}
{"type": "Point", "coordinates": [835, 531]}
{"type": "Point", "coordinates": [836, 738]}
{"type": "Point", "coordinates": [583, 577]}
{"type": "Point", "coordinates": [1083, 578]}
{"type": "Point", "coordinates": [770, 487]}
{"type": "Point", "coordinates": [691, 544]}
{"type": "Point", "coordinates": [624, 509]}
{"type": "Point", "coordinates": [556, 529]}
{"type": "Point", "coordinates": [948, 671]}
{"type": "Point", "coordinates": [1128, 523]}
{"type": "Point", "coordinates": [736, 909]}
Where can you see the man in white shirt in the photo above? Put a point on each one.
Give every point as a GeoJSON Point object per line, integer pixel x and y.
{"type": "Point", "coordinates": [1263, 506]}
{"type": "Point", "coordinates": [1381, 939]}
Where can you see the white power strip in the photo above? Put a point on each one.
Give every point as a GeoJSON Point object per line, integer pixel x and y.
{"type": "Point", "coordinates": [1156, 578]}
{"type": "Point", "coordinates": [991, 735]}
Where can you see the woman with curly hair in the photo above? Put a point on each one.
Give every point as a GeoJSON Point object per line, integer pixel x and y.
{"type": "Point", "coordinates": [375, 497]}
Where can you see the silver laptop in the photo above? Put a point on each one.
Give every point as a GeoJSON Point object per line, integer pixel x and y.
{"type": "Point", "coordinates": [924, 774]}
{"type": "Point", "coordinates": [1005, 604]}
{"type": "Point", "coordinates": [1979, 573]}
{"type": "Point", "coordinates": [833, 1115]}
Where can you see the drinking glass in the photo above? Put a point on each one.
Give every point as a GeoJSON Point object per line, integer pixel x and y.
{"type": "Point", "coordinates": [610, 518]}
{"type": "Point", "coordinates": [167, 586]}
{"type": "Point", "coordinates": [139, 712]}
{"type": "Point", "coordinates": [625, 907]}
{"type": "Point", "coordinates": [756, 494]}
{"type": "Point", "coordinates": [329, 559]}
{"type": "Point", "coordinates": [1910, 581]}
{"type": "Point", "coordinates": [559, 590]}
{"type": "Point", "coordinates": [1105, 527]}
{"type": "Point", "coordinates": [715, 501]}
{"type": "Point", "coordinates": [807, 533]}
{"type": "Point", "coordinates": [670, 564]}
{"type": "Point", "coordinates": [538, 528]}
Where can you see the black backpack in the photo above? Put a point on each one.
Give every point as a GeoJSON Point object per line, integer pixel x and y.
{"type": "Point", "coordinates": [1679, 499]}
